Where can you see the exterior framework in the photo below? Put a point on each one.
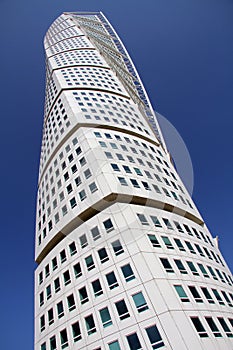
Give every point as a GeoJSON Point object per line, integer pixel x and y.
{"type": "Point", "coordinates": [125, 260]}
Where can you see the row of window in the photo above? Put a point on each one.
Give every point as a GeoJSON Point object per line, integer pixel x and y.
{"type": "Point", "coordinates": [183, 246]}
{"type": "Point", "coordinates": [220, 296]}
{"type": "Point", "coordinates": [213, 325]}
{"type": "Point", "coordinates": [96, 286]}
{"type": "Point", "coordinates": [104, 313]}
{"type": "Point", "coordinates": [177, 226]}
{"type": "Point", "coordinates": [215, 273]}
{"type": "Point", "coordinates": [133, 341]}
{"type": "Point", "coordinates": [95, 232]}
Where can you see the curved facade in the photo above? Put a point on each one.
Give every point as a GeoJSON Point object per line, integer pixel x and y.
{"type": "Point", "coordinates": [125, 261]}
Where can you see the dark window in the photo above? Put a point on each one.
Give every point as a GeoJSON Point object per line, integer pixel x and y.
{"type": "Point", "coordinates": [64, 339]}
{"type": "Point", "coordinates": [122, 309]}
{"type": "Point", "coordinates": [90, 324]}
{"type": "Point", "coordinates": [133, 341]}
{"type": "Point", "coordinates": [77, 270]}
{"type": "Point", "coordinates": [112, 281]}
{"type": "Point", "coordinates": [127, 272]}
{"type": "Point", "coordinates": [76, 331]}
{"type": "Point", "coordinates": [71, 302]}
{"type": "Point", "coordinates": [103, 255]}
{"type": "Point", "coordinates": [97, 288]}
{"type": "Point", "coordinates": [154, 337]}
{"type": "Point", "coordinates": [199, 327]}
{"type": "Point", "coordinates": [83, 295]}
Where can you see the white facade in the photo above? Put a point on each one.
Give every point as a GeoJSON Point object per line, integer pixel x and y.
{"type": "Point", "coordinates": [125, 261]}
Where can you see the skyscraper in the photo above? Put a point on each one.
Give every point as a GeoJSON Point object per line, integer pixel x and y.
{"type": "Point", "coordinates": [125, 260]}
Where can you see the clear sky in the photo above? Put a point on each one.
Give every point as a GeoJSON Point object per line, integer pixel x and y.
{"type": "Point", "coordinates": [183, 51]}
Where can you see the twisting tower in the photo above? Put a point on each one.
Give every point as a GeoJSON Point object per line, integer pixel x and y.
{"type": "Point", "coordinates": [125, 261]}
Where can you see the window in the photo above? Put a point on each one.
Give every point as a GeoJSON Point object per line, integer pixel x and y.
{"type": "Point", "coordinates": [138, 171]}
{"type": "Point", "coordinates": [97, 288]}
{"type": "Point", "coordinates": [47, 270]}
{"type": "Point", "coordinates": [154, 241]}
{"type": "Point", "coordinates": [213, 326]}
{"type": "Point", "coordinates": [73, 249]}
{"type": "Point", "coordinates": [212, 272]}
{"type": "Point", "coordinates": [93, 187]}
{"type": "Point", "coordinates": [199, 327]}
{"type": "Point", "coordinates": [122, 309]}
{"type": "Point", "coordinates": [57, 286]}
{"type": "Point", "coordinates": [41, 298]}
{"type": "Point", "coordinates": [90, 324]}
{"type": "Point", "coordinates": [105, 317]}
{"type": "Point", "coordinates": [140, 302]}
{"type": "Point", "coordinates": [167, 242]}
{"type": "Point", "coordinates": [48, 292]}
{"type": "Point", "coordinates": [53, 343]}
{"type": "Point", "coordinates": [108, 225]}
{"type": "Point", "coordinates": [218, 297]}
{"type": "Point", "coordinates": [168, 224]}
{"type": "Point", "coordinates": [82, 161]}
{"type": "Point", "coordinates": [103, 255]}
{"type": "Point", "coordinates": [76, 331]}
{"type": "Point", "coordinates": [156, 221]}
{"type": "Point", "coordinates": [66, 276]}
{"type": "Point", "coordinates": [78, 181]}
{"type": "Point", "coordinates": [114, 345]}
{"type": "Point", "coordinates": [203, 270]}
{"type": "Point", "coordinates": [142, 219]}
{"type": "Point", "coordinates": [83, 241]}
{"type": "Point", "coordinates": [77, 270]}
{"type": "Point", "coordinates": [117, 247]}
{"type": "Point", "coordinates": [42, 323]}
{"type": "Point", "coordinates": [64, 339]}
{"type": "Point", "coordinates": [166, 264]}
{"type": "Point", "coordinates": [83, 295]}
{"type": "Point", "coordinates": [69, 188]}
{"type": "Point", "coordinates": [179, 228]}
{"type": "Point", "coordinates": [60, 309]}
{"type": "Point", "coordinates": [225, 327]}
{"type": "Point", "coordinates": [179, 244]}
{"type": "Point", "coordinates": [192, 268]}
{"type": "Point", "coordinates": [43, 346]}
{"type": "Point", "coordinates": [89, 262]}
{"type": "Point", "coordinates": [180, 291]}
{"type": "Point", "coordinates": [127, 272]}
{"type": "Point", "coordinates": [133, 341]}
{"type": "Point", "coordinates": [115, 167]}
{"type": "Point", "coordinates": [40, 277]}
{"type": "Point", "coordinates": [190, 247]}
{"type": "Point", "coordinates": [146, 185]}
{"type": "Point", "coordinates": [122, 181]}
{"type": "Point", "coordinates": [195, 294]}
{"type": "Point", "coordinates": [71, 302]}
{"type": "Point", "coordinates": [95, 233]}
{"type": "Point", "coordinates": [82, 195]}
{"type": "Point", "coordinates": [87, 173]}
{"type": "Point", "coordinates": [112, 281]}
{"type": "Point", "coordinates": [199, 250]}
{"type": "Point", "coordinates": [154, 337]}
{"type": "Point", "coordinates": [127, 169]}
{"type": "Point", "coordinates": [134, 183]}
{"type": "Point", "coordinates": [54, 263]}
{"type": "Point", "coordinates": [180, 266]}
{"type": "Point", "coordinates": [50, 316]}
{"type": "Point", "coordinates": [63, 256]}
{"type": "Point", "coordinates": [226, 298]}
{"type": "Point", "coordinates": [207, 295]}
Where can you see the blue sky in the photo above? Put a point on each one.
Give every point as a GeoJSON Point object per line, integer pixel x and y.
{"type": "Point", "coordinates": [183, 52]}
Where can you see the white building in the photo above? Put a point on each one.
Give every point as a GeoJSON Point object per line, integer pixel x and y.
{"type": "Point", "coordinates": [125, 260]}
